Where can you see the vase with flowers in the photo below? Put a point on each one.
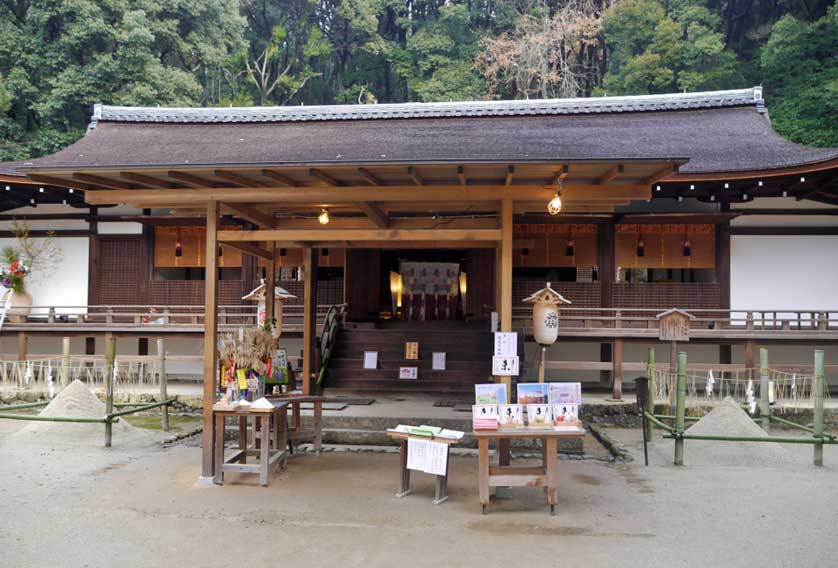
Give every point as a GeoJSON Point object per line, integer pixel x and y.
{"type": "Point", "coordinates": [13, 273]}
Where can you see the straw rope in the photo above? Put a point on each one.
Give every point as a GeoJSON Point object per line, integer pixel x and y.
{"type": "Point", "coordinates": [46, 374]}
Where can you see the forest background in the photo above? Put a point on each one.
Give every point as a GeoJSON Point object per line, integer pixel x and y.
{"type": "Point", "coordinates": [59, 57]}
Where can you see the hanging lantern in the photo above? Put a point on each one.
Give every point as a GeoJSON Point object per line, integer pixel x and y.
{"type": "Point", "coordinates": [687, 248]}
{"type": "Point", "coordinates": [545, 314]}
{"type": "Point", "coordinates": [323, 217]}
{"type": "Point", "coordinates": [178, 245]}
{"type": "Point", "coordinates": [570, 250]}
{"type": "Point", "coordinates": [554, 206]}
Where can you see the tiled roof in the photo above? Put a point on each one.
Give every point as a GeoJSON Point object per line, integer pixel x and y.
{"type": "Point", "coordinates": [535, 107]}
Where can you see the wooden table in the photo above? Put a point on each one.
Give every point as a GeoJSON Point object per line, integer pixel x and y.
{"type": "Point", "coordinates": [441, 483]}
{"type": "Point", "coordinates": [544, 475]}
{"type": "Point", "coordinates": [266, 439]}
{"type": "Point", "coordinates": [296, 433]}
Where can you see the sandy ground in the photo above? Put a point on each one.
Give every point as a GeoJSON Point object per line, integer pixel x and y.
{"type": "Point", "coordinates": [140, 506]}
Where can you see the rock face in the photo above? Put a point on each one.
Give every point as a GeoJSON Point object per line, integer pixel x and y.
{"type": "Point", "coordinates": [728, 419]}
{"type": "Point", "coordinates": [79, 402]}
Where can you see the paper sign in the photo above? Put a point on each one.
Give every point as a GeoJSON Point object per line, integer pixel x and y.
{"type": "Point", "coordinates": [370, 359]}
{"type": "Point", "coordinates": [490, 393]}
{"type": "Point", "coordinates": [408, 372]}
{"type": "Point", "coordinates": [561, 393]}
{"type": "Point", "coordinates": [411, 350]}
{"type": "Point", "coordinates": [416, 450]}
{"type": "Point", "coordinates": [436, 458]}
{"type": "Point", "coordinates": [505, 366]}
{"type": "Point", "coordinates": [506, 344]}
{"type": "Point", "coordinates": [438, 363]}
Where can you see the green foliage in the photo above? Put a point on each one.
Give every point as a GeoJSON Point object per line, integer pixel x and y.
{"type": "Point", "coordinates": [659, 47]}
{"type": "Point", "coordinates": [801, 77]}
{"type": "Point", "coordinates": [59, 57]}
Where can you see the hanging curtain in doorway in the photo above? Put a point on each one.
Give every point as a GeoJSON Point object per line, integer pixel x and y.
{"type": "Point", "coordinates": [430, 290]}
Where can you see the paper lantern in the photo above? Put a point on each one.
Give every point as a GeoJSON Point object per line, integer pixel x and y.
{"type": "Point", "coordinates": [545, 314]}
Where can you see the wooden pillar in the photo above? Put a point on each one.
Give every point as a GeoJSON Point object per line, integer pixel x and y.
{"type": "Point", "coordinates": [617, 366]}
{"type": "Point", "coordinates": [309, 318]}
{"type": "Point", "coordinates": [210, 337]}
{"type": "Point", "coordinates": [21, 346]}
{"type": "Point", "coordinates": [750, 360]}
{"type": "Point", "coordinates": [498, 278]}
{"type": "Point", "coordinates": [506, 266]}
{"type": "Point", "coordinates": [723, 263]}
{"type": "Point", "coordinates": [270, 286]}
{"type": "Point", "coordinates": [606, 265]}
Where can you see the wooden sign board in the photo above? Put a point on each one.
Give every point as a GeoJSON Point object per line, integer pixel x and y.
{"type": "Point", "coordinates": [674, 325]}
{"type": "Point", "coordinates": [411, 350]}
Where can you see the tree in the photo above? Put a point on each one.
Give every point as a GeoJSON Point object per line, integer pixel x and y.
{"type": "Point", "coordinates": [546, 55]}
{"type": "Point", "coordinates": [800, 69]}
{"type": "Point", "coordinates": [663, 47]}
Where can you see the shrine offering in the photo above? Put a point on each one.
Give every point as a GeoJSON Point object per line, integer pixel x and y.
{"type": "Point", "coordinates": [247, 362]}
{"type": "Point", "coordinates": [484, 416]}
{"type": "Point", "coordinates": [511, 416]}
{"type": "Point", "coordinates": [539, 416]}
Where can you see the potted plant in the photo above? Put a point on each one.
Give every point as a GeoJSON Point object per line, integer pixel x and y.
{"type": "Point", "coordinates": [16, 265]}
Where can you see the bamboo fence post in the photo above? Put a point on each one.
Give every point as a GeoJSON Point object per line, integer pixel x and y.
{"type": "Point", "coordinates": [818, 381]}
{"type": "Point", "coordinates": [65, 362]}
{"type": "Point", "coordinates": [109, 366]}
{"type": "Point", "coordinates": [650, 396]}
{"type": "Point", "coordinates": [680, 403]}
{"type": "Point", "coordinates": [764, 406]}
{"type": "Point", "coordinates": [161, 366]}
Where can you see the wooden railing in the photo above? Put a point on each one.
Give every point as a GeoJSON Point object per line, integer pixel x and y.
{"type": "Point", "coordinates": [186, 318]}
{"type": "Point", "coordinates": [706, 323]}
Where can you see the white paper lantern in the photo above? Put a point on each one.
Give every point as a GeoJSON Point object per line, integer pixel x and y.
{"type": "Point", "coordinates": [545, 314]}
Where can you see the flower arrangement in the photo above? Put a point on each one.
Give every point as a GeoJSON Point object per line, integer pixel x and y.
{"type": "Point", "coordinates": [13, 270]}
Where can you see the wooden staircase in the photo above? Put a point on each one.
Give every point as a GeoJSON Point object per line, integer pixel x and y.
{"type": "Point", "coordinates": [468, 348]}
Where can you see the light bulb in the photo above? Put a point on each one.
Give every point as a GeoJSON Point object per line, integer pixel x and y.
{"type": "Point", "coordinates": [555, 205]}
{"type": "Point", "coordinates": [323, 217]}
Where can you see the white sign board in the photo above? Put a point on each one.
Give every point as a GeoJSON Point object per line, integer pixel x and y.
{"type": "Point", "coordinates": [506, 344]}
{"type": "Point", "coordinates": [505, 366]}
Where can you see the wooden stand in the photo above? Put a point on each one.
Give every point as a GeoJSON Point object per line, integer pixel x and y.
{"type": "Point", "coordinates": [296, 432]}
{"type": "Point", "coordinates": [441, 484]}
{"type": "Point", "coordinates": [545, 475]}
{"type": "Point", "coordinates": [267, 440]}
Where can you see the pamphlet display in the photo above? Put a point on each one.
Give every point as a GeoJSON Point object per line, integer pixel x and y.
{"type": "Point", "coordinates": [511, 416]}
{"type": "Point", "coordinates": [533, 393]}
{"type": "Point", "coordinates": [565, 393]}
{"type": "Point", "coordinates": [539, 416]}
{"type": "Point", "coordinates": [484, 416]}
{"type": "Point", "coordinates": [490, 393]}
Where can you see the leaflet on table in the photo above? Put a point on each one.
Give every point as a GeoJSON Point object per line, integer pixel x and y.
{"type": "Point", "coordinates": [511, 415]}
{"type": "Point", "coordinates": [451, 434]}
{"type": "Point", "coordinates": [539, 416]}
{"type": "Point", "coordinates": [490, 393]}
{"type": "Point", "coordinates": [561, 393]}
{"type": "Point", "coordinates": [427, 456]}
{"type": "Point", "coordinates": [429, 431]}
{"type": "Point", "coordinates": [564, 413]}
{"type": "Point", "coordinates": [568, 428]}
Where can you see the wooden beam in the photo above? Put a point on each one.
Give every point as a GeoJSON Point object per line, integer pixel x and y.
{"type": "Point", "coordinates": [252, 214]}
{"type": "Point", "coordinates": [210, 338]}
{"type": "Point", "coordinates": [323, 177]}
{"type": "Point", "coordinates": [659, 175]}
{"type": "Point", "coordinates": [309, 318]}
{"type": "Point", "coordinates": [281, 178]}
{"type": "Point", "coordinates": [61, 182]}
{"type": "Point", "coordinates": [822, 186]}
{"type": "Point", "coordinates": [248, 248]}
{"type": "Point", "coordinates": [560, 176]}
{"type": "Point", "coordinates": [326, 235]}
{"type": "Point", "coordinates": [610, 174]}
{"type": "Point", "coordinates": [415, 175]}
{"type": "Point", "coordinates": [374, 212]}
{"type": "Point", "coordinates": [506, 265]}
{"type": "Point", "coordinates": [103, 181]}
{"type": "Point", "coordinates": [193, 180]}
{"type": "Point", "coordinates": [461, 176]}
{"type": "Point", "coordinates": [367, 175]}
{"type": "Point", "coordinates": [510, 172]}
{"type": "Point", "coordinates": [350, 195]}
{"type": "Point", "coordinates": [148, 180]}
{"type": "Point", "coordinates": [239, 179]}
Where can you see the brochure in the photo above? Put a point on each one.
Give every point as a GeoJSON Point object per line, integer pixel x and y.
{"type": "Point", "coordinates": [538, 416]}
{"type": "Point", "coordinates": [490, 393]}
{"type": "Point", "coordinates": [511, 415]}
{"type": "Point", "coordinates": [565, 413]}
{"type": "Point", "coordinates": [565, 393]}
{"type": "Point", "coordinates": [533, 393]}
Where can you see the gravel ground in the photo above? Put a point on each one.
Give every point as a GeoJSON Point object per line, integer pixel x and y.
{"type": "Point", "coordinates": [140, 506]}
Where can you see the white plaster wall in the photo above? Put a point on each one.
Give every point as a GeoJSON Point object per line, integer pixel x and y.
{"type": "Point", "coordinates": [66, 284]}
{"type": "Point", "coordinates": [784, 272]}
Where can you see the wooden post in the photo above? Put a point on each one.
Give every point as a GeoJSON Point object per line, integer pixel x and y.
{"type": "Point", "coordinates": [540, 365]}
{"type": "Point", "coordinates": [673, 356]}
{"type": "Point", "coordinates": [505, 307]}
{"type": "Point", "coordinates": [110, 358]}
{"type": "Point", "coordinates": [309, 318]}
{"type": "Point", "coordinates": [750, 362]}
{"type": "Point", "coordinates": [161, 370]}
{"type": "Point", "coordinates": [210, 338]}
{"type": "Point", "coordinates": [680, 403]}
{"type": "Point", "coordinates": [650, 397]}
{"type": "Point", "coordinates": [21, 346]}
{"type": "Point", "coordinates": [606, 265]}
{"type": "Point", "coordinates": [617, 366]}
{"type": "Point", "coordinates": [270, 287]}
{"type": "Point", "coordinates": [818, 387]}
{"type": "Point", "coordinates": [64, 378]}
{"type": "Point", "coordinates": [764, 406]}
